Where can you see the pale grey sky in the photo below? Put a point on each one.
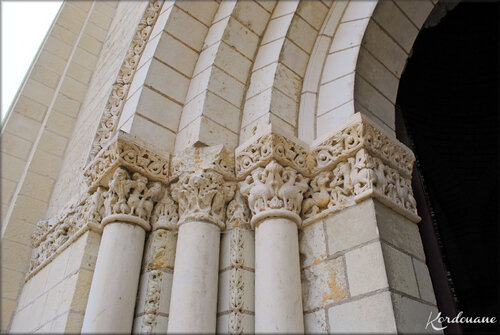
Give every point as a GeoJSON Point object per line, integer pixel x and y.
{"type": "Point", "coordinates": [24, 26]}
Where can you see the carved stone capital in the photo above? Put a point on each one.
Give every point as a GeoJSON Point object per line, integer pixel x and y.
{"type": "Point", "coordinates": [262, 149]}
{"type": "Point", "coordinates": [353, 162]}
{"type": "Point", "coordinates": [165, 213]}
{"type": "Point", "coordinates": [214, 158]}
{"type": "Point", "coordinates": [274, 191]}
{"type": "Point", "coordinates": [126, 151]}
{"type": "Point", "coordinates": [130, 198]}
{"type": "Point", "coordinates": [203, 183]}
{"type": "Point", "coordinates": [202, 196]}
{"type": "Point", "coordinates": [238, 214]}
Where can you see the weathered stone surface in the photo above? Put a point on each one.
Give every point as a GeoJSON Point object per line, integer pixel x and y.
{"type": "Point", "coordinates": [316, 323]}
{"type": "Point", "coordinates": [312, 245]}
{"type": "Point", "coordinates": [324, 283]}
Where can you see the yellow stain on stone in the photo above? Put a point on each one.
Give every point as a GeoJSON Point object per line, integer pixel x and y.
{"type": "Point", "coordinates": [336, 293]}
{"type": "Point", "coordinates": [320, 259]}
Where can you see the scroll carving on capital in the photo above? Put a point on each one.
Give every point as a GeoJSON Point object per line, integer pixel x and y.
{"type": "Point", "coordinates": [274, 191]}
{"type": "Point", "coordinates": [126, 151]}
{"type": "Point", "coordinates": [131, 198]}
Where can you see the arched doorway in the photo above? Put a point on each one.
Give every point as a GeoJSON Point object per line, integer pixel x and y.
{"type": "Point", "coordinates": [448, 101]}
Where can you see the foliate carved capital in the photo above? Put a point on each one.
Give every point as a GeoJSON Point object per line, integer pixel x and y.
{"type": "Point", "coordinates": [274, 191]}
{"type": "Point", "coordinates": [203, 183]}
{"type": "Point", "coordinates": [202, 196]}
{"type": "Point", "coordinates": [131, 198]}
{"type": "Point", "coordinates": [165, 213]}
{"type": "Point", "coordinates": [238, 214]}
{"type": "Point", "coordinates": [126, 151]}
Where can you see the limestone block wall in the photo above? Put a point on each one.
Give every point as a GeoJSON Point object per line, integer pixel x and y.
{"type": "Point", "coordinates": [54, 299]}
{"type": "Point", "coordinates": [366, 258]}
{"type": "Point", "coordinates": [122, 26]}
{"type": "Point", "coordinates": [38, 128]}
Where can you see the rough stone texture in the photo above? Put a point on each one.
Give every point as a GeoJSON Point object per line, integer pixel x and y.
{"type": "Point", "coordinates": [312, 245]}
{"type": "Point", "coordinates": [351, 227]}
{"type": "Point", "coordinates": [316, 323]}
{"type": "Point", "coordinates": [400, 271]}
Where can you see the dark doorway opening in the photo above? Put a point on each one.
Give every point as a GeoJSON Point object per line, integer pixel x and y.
{"type": "Point", "coordinates": [448, 103]}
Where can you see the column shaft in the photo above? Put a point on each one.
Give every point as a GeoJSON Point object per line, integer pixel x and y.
{"type": "Point", "coordinates": [278, 291]}
{"type": "Point", "coordinates": [193, 306]}
{"type": "Point", "coordinates": [112, 296]}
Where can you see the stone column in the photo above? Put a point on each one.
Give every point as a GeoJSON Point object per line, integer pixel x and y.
{"type": "Point", "coordinates": [275, 196]}
{"type": "Point", "coordinates": [151, 312]}
{"type": "Point", "coordinates": [202, 194]}
{"type": "Point", "coordinates": [128, 205]}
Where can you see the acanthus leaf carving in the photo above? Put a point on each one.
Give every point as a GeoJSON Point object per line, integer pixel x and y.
{"type": "Point", "coordinates": [202, 195]}
{"type": "Point", "coordinates": [165, 213]}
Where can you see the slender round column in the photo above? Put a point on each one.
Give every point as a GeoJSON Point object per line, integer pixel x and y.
{"type": "Point", "coordinates": [275, 196]}
{"type": "Point", "coordinates": [278, 290]}
{"type": "Point", "coordinates": [193, 307]}
{"type": "Point", "coordinates": [202, 196]}
{"type": "Point", "coordinates": [110, 308]}
{"type": "Point", "coordinates": [127, 206]}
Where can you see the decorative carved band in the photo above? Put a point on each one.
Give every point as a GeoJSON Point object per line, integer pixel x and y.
{"type": "Point", "coordinates": [354, 180]}
{"type": "Point", "coordinates": [203, 184]}
{"type": "Point", "coordinates": [354, 163]}
{"type": "Point", "coordinates": [119, 92]}
{"type": "Point", "coordinates": [274, 191]}
{"type": "Point", "coordinates": [125, 151]}
{"type": "Point", "coordinates": [360, 132]}
{"type": "Point", "coordinates": [127, 198]}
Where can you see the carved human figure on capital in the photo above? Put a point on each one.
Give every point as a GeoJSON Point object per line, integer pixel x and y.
{"type": "Point", "coordinates": [131, 196]}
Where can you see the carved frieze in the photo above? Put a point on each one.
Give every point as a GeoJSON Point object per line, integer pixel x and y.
{"type": "Point", "coordinates": [114, 106]}
{"type": "Point", "coordinates": [52, 236]}
{"type": "Point", "coordinates": [352, 163]}
{"type": "Point", "coordinates": [126, 152]}
{"type": "Point", "coordinates": [274, 191]}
